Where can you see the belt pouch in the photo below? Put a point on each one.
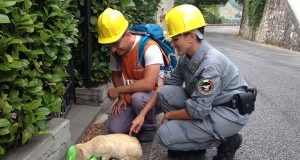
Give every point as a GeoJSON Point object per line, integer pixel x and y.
{"type": "Point", "coordinates": [245, 102]}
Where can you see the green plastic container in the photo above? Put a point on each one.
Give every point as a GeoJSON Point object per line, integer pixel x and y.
{"type": "Point", "coordinates": [71, 154]}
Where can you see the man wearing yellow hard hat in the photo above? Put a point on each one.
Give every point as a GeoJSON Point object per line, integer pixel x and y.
{"type": "Point", "coordinates": [205, 113]}
{"type": "Point", "coordinates": [133, 83]}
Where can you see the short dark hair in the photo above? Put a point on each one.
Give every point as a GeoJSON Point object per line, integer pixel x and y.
{"type": "Point", "coordinates": [201, 29]}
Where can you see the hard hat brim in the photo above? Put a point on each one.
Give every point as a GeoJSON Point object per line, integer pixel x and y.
{"type": "Point", "coordinates": [109, 40]}
{"type": "Point", "coordinates": [170, 36]}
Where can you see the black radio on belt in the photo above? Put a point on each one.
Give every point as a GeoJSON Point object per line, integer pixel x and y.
{"type": "Point", "coordinates": [244, 102]}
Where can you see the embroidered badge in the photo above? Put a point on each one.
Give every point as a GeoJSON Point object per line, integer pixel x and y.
{"type": "Point", "coordinates": [206, 86]}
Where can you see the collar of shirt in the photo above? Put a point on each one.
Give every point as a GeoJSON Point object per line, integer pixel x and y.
{"type": "Point", "coordinates": [198, 57]}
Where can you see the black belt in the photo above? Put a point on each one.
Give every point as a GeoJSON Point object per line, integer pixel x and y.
{"type": "Point", "coordinates": [244, 102]}
{"type": "Point", "coordinates": [231, 104]}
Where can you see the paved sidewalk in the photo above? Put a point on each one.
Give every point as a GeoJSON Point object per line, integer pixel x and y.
{"type": "Point", "coordinates": [81, 116]}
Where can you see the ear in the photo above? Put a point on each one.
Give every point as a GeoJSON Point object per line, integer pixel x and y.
{"type": "Point", "coordinates": [192, 37]}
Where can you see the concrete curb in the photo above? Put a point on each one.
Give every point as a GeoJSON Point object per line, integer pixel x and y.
{"type": "Point", "coordinates": [47, 146]}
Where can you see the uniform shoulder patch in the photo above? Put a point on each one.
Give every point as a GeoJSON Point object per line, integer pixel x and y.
{"type": "Point", "coordinates": [206, 86]}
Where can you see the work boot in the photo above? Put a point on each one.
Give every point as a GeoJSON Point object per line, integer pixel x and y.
{"type": "Point", "coordinates": [227, 149]}
{"type": "Point", "coordinates": [187, 155]}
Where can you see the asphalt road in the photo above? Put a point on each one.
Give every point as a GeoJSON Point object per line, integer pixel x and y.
{"type": "Point", "coordinates": [274, 129]}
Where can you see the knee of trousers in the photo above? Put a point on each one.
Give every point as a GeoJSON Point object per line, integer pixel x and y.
{"type": "Point", "coordinates": [113, 128]}
{"type": "Point", "coordinates": [137, 101]}
{"type": "Point", "coordinates": [163, 136]}
{"type": "Point", "coordinates": [162, 100]}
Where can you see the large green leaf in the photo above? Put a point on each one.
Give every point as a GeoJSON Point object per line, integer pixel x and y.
{"type": "Point", "coordinates": [31, 129]}
{"type": "Point", "coordinates": [16, 64]}
{"type": "Point", "coordinates": [22, 48]}
{"type": "Point", "coordinates": [53, 77]}
{"type": "Point", "coordinates": [25, 20]}
{"type": "Point", "coordinates": [26, 136]}
{"type": "Point", "coordinates": [4, 122]}
{"type": "Point", "coordinates": [29, 118]}
{"type": "Point", "coordinates": [4, 131]}
{"type": "Point", "coordinates": [31, 74]}
{"type": "Point", "coordinates": [14, 128]}
{"type": "Point", "coordinates": [4, 4]}
{"type": "Point", "coordinates": [48, 98]}
{"type": "Point", "coordinates": [21, 82]}
{"type": "Point", "coordinates": [35, 89]}
{"type": "Point", "coordinates": [42, 111]}
{"type": "Point", "coordinates": [25, 63]}
{"type": "Point", "coordinates": [37, 51]}
{"type": "Point", "coordinates": [43, 125]}
{"type": "Point", "coordinates": [17, 105]}
{"type": "Point", "coordinates": [4, 19]}
{"type": "Point", "coordinates": [5, 106]}
{"type": "Point", "coordinates": [32, 105]}
{"type": "Point", "coordinates": [51, 52]}
{"type": "Point", "coordinates": [15, 41]}
{"type": "Point", "coordinates": [14, 99]}
{"type": "Point", "coordinates": [69, 40]}
{"type": "Point", "coordinates": [4, 66]}
{"type": "Point", "coordinates": [40, 117]}
{"type": "Point", "coordinates": [33, 83]}
{"type": "Point", "coordinates": [44, 37]}
{"type": "Point", "coordinates": [9, 58]}
{"type": "Point", "coordinates": [27, 4]}
{"type": "Point", "coordinates": [56, 105]}
{"type": "Point", "coordinates": [66, 57]}
{"type": "Point", "coordinates": [28, 29]}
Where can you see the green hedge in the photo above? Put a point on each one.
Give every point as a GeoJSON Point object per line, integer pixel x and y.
{"type": "Point", "coordinates": [36, 40]}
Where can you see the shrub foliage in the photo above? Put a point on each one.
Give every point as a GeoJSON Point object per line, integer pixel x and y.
{"type": "Point", "coordinates": [36, 39]}
{"type": "Point", "coordinates": [255, 12]}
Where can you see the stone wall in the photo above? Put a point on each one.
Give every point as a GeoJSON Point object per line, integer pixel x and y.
{"type": "Point", "coordinates": [279, 26]}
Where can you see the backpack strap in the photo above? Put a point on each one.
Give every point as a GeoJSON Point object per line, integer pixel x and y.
{"type": "Point", "coordinates": [141, 53]}
{"type": "Point", "coordinates": [143, 42]}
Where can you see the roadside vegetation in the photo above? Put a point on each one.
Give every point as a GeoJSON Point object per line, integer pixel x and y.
{"type": "Point", "coordinates": [36, 41]}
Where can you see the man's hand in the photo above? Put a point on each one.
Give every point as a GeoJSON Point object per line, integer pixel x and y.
{"type": "Point", "coordinates": [181, 114]}
{"type": "Point", "coordinates": [137, 123]}
{"type": "Point", "coordinates": [118, 106]}
{"type": "Point", "coordinates": [166, 117]}
{"type": "Point", "coordinates": [113, 93]}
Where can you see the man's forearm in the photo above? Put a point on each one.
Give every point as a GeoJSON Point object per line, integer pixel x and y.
{"type": "Point", "coordinates": [117, 79]}
{"type": "Point", "coordinates": [137, 86]}
{"type": "Point", "coordinates": [181, 114]}
{"type": "Point", "coordinates": [150, 104]}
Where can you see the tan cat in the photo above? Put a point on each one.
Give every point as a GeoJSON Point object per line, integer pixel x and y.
{"type": "Point", "coordinates": [118, 146]}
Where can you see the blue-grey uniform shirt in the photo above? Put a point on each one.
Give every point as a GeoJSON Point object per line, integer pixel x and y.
{"type": "Point", "coordinates": [210, 79]}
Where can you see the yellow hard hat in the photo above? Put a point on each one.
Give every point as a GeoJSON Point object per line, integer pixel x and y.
{"type": "Point", "coordinates": [183, 18]}
{"type": "Point", "coordinates": [111, 26]}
